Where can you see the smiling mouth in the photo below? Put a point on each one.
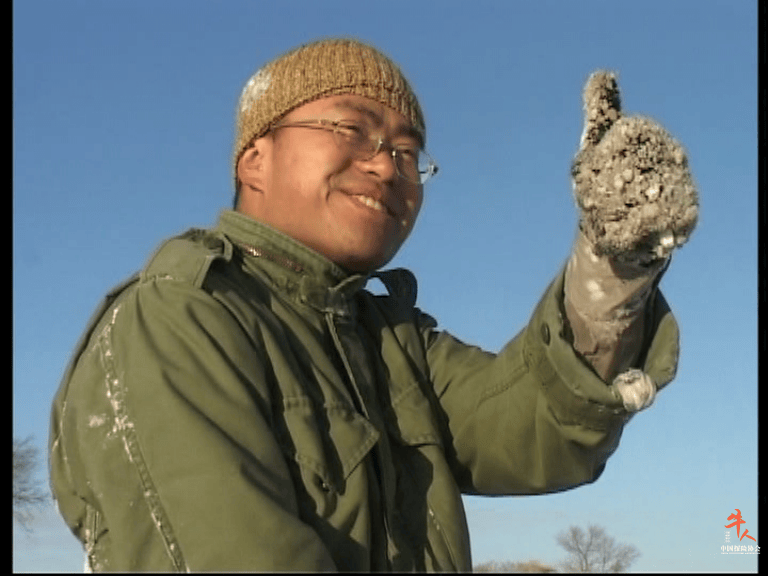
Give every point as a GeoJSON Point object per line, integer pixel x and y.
{"type": "Point", "coordinates": [371, 203]}
{"type": "Point", "coordinates": [378, 206]}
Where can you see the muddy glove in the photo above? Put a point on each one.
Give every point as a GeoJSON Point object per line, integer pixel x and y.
{"type": "Point", "coordinates": [637, 203]}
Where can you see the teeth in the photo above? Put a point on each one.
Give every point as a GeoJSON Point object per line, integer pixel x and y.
{"type": "Point", "coordinates": [371, 203]}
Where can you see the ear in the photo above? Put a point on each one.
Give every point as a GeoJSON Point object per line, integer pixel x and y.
{"type": "Point", "coordinates": [251, 167]}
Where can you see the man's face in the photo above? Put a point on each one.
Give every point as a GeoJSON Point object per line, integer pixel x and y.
{"type": "Point", "coordinates": [356, 213]}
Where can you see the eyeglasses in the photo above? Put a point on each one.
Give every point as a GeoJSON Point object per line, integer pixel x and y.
{"type": "Point", "coordinates": [412, 163]}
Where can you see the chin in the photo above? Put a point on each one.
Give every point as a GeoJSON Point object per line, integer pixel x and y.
{"type": "Point", "coordinates": [365, 263]}
{"type": "Point", "coordinates": [364, 258]}
{"type": "Point", "coordinates": [364, 266]}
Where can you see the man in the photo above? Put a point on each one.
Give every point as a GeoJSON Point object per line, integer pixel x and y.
{"type": "Point", "coordinates": [244, 404]}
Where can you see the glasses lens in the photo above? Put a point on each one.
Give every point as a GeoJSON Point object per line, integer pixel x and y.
{"type": "Point", "coordinates": [426, 168]}
{"type": "Point", "coordinates": [355, 138]}
{"type": "Point", "coordinates": [412, 164]}
{"type": "Point", "coordinates": [407, 162]}
{"type": "Point", "coordinates": [415, 166]}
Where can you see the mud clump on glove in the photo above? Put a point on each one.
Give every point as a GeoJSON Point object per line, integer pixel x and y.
{"type": "Point", "coordinates": [637, 198]}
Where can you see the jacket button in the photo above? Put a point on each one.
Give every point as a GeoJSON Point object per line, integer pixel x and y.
{"type": "Point", "coordinates": [545, 333]}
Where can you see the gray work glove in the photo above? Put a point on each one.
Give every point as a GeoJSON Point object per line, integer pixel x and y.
{"type": "Point", "coordinates": [637, 203]}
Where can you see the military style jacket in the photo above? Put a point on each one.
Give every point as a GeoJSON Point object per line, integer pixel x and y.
{"type": "Point", "coordinates": [244, 404]}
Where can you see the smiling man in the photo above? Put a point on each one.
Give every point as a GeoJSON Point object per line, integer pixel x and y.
{"type": "Point", "coordinates": [243, 403]}
{"type": "Point", "coordinates": [341, 176]}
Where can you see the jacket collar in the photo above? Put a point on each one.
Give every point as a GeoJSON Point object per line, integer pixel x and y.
{"type": "Point", "coordinates": [291, 266]}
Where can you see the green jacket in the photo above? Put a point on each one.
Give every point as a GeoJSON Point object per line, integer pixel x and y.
{"type": "Point", "coordinates": [244, 404]}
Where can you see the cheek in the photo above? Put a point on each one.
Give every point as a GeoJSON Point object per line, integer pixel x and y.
{"type": "Point", "coordinates": [303, 182]}
{"type": "Point", "coordinates": [309, 159]}
{"type": "Point", "coordinates": [414, 203]}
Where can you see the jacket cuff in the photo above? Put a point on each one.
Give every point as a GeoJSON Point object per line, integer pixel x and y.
{"type": "Point", "coordinates": [577, 395]}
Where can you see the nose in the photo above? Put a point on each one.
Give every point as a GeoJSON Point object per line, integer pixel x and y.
{"type": "Point", "coordinates": [383, 162]}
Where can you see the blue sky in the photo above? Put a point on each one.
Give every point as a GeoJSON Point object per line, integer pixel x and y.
{"type": "Point", "coordinates": [123, 127]}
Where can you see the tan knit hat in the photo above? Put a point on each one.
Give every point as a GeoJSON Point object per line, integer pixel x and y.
{"type": "Point", "coordinates": [316, 70]}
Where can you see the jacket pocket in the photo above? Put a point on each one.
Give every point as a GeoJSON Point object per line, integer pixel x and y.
{"type": "Point", "coordinates": [330, 441]}
{"type": "Point", "coordinates": [427, 501]}
{"type": "Point", "coordinates": [411, 420]}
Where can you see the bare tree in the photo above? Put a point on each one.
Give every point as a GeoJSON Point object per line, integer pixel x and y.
{"type": "Point", "coordinates": [595, 551]}
{"type": "Point", "coordinates": [27, 494]}
{"type": "Point", "coordinates": [527, 566]}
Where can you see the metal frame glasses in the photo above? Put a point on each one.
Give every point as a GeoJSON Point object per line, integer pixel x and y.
{"type": "Point", "coordinates": [414, 165]}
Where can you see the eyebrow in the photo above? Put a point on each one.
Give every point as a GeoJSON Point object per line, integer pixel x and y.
{"type": "Point", "coordinates": [407, 130]}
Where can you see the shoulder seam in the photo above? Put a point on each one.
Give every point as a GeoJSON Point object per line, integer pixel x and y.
{"type": "Point", "coordinates": [123, 424]}
{"type": "Point", "coordinates": [187, 257]}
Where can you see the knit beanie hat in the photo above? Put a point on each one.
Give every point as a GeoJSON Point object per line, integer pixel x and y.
{"type": "Point", "coordinates": [324, 68]}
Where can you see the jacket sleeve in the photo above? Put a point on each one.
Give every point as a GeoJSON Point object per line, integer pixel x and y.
{"type": "Point", "coordinates": [535, 417]}
{"type": "Point", "coordinates": [163, 457]}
